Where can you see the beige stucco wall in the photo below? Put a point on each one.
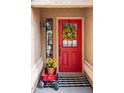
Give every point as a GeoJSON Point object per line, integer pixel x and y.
{"type": "Point", "coordinates": [88, 35]}
{"type": "Point", "coordinates": [36, 58]}
{"type": "Point", "coordinates": [54, 13]}
{"type": "Point", "coordinates": [36, 35]}
{"type": "Point", "coordinates": [88, 44]}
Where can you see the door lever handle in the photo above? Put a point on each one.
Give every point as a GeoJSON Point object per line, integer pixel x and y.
{"type": "Point", "coordinates": [59, 50]}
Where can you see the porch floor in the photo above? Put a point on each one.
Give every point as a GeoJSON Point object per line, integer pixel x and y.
{"type": "Point", "coordinates": [79, 78]}
{"type": "Point", "coordinates": [65, 90]}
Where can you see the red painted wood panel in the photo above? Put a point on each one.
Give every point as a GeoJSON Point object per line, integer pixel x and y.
{"type": "Point", "coordinates": [70, 58]}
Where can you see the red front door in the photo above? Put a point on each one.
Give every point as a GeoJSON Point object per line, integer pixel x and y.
{"type": "Point", "coordinates": [70, 45]}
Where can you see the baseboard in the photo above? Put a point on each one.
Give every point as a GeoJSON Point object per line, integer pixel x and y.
{"type": "Point", "coordinates": [91, 82]}
{"type": "Point", "coordinates": [88, 70]}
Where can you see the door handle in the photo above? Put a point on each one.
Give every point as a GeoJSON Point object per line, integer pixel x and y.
{"type": "Point", "coordinates": [59, 50]}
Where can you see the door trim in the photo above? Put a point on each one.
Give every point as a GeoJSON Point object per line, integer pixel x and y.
{"type": "Point", "coordinates": [57, 38]}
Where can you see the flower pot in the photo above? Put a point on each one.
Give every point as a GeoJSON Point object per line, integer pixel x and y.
{"type": "Point", "coordinates": [50, 71]}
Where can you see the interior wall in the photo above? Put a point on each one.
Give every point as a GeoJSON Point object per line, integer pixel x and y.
{"type": "Point", "coordinates": [54, 13]}
{"type": "Point", "coordinates": [88, 35]}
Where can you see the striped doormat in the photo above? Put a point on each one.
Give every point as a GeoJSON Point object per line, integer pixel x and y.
{"type": "Point", "coordinates": [72, 80]}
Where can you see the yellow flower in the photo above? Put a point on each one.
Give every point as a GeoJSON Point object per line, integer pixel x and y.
{"type": "Point", "coordinates": [54, 65]}
{"type": "Point", "coordinates": [50, 62]}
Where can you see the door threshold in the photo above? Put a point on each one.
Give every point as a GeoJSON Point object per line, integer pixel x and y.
{"type": "Point", "coordinates": [67, 74]}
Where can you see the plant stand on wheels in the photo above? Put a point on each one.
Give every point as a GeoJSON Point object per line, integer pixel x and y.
{"type": "Point", "coordinates": [48, 80]}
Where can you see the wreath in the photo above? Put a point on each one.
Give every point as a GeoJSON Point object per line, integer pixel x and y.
{"type": "Point", "coordinates": [69, 32]}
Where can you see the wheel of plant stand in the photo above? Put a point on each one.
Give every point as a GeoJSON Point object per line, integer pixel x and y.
{"type": "Point", "coordinates": [41, 84]}
{"type": "Point", "coordinates": [56, 86]}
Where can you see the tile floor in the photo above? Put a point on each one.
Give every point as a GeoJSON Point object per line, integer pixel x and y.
{"type": "Point", "coordinates": [65, 90]}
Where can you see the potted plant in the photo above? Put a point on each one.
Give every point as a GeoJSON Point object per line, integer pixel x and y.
{"type": "Point", "coordinates": [50, 65]}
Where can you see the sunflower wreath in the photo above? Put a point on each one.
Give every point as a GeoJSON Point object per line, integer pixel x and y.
{"type": "Point", "coordinates": [69, 32]}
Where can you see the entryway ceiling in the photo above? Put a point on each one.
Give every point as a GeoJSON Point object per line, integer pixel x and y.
{"type": "Point", "coordinates": [61, 3]}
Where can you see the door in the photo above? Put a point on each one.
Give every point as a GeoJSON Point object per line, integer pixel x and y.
{"type": "Point", "coordinates": [70, 45]}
